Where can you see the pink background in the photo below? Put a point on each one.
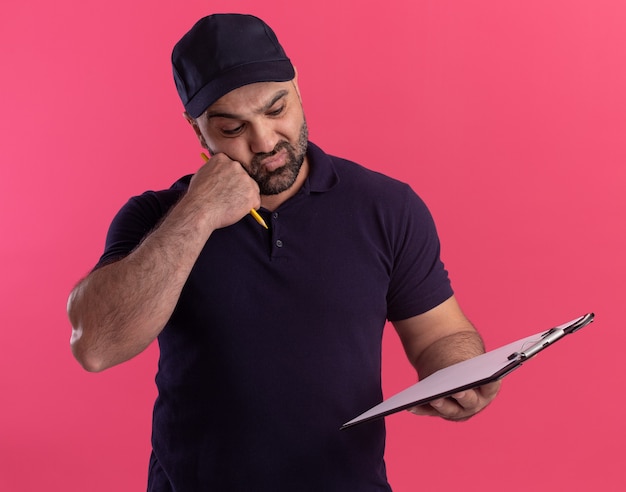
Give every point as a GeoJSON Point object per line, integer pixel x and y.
{"type": "Point", "coordinates": [507, 117]}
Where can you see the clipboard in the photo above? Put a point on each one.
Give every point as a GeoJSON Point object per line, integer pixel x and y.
{"type": "Point", "coordinates": [485, 368]}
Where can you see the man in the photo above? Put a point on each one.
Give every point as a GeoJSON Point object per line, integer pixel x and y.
{"type": "Point", "coordinates": [269, 339]}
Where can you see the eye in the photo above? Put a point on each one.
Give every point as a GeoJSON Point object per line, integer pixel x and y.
{"type": "Point", "coordinates": [277, 111]}
{"type": "Point", "coordinates": [229, 132]}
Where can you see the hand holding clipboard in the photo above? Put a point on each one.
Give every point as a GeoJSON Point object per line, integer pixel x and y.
{"type": "Point", "coordinates": [471, 373]}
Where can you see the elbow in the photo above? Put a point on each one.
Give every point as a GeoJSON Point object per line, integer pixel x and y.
{"type": "Point", "coordinates": [90, 365]}
{"type": "Point", "coordinates": [88, 359]}
{"type": "Point", "coordinates": [82, 350]}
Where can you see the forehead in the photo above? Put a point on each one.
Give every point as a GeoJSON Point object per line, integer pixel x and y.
{"type": "Point", "coordinates": [250, 98]}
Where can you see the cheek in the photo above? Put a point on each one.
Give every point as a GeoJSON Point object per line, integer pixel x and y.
{"type": "Point", "coordinates": [217, 144]}
{"type": "Point", "coordinates": [235, 148]}
{"type": "Point", "coordinates": [290, 129]}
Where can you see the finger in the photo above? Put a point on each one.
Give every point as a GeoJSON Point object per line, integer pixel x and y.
{"type": "Point", "coordinates": [424, 410]}
{"type": "Point", "coordinates": [449, 408]}
{"type": "Point", "coordinates": [489, 391]}
{"type": "Point", "coordinates": [467, 399]}
{"type": "Point", "coordinates": [444, 410]}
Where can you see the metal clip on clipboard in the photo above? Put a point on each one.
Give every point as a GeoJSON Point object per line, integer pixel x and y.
{"type": "Point", "coordinates": [551, 336]}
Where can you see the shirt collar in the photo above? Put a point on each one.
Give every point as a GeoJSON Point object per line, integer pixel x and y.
{"type": "Point", "coordinates": [322, 174]}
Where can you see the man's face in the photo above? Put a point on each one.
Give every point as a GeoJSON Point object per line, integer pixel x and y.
{"type": "Point", "coordinates": [261, 126]}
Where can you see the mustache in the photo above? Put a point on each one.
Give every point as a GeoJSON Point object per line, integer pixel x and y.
{"type": "Point", "coordinates": [256, 160]}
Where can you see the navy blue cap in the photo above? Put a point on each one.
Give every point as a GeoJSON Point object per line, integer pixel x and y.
{"type": "Point", "coordinates": [223, 52]}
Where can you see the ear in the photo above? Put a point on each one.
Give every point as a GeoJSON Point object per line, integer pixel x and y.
{"type": "Point", "coordinates": [194, 124]}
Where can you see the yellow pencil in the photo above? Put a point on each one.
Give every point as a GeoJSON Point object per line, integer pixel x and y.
{"type": "Point", "coordinates": [253, 212]}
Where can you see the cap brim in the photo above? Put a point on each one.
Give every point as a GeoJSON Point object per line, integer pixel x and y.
{"type": "Point", "coordinates": [250, 73]}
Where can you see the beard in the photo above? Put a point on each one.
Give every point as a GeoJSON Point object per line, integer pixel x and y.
{"type": "Point", "coordinates": [283, 178]}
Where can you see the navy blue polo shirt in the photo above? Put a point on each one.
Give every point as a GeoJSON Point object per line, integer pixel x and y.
{"type": "Point", "coordinates": [276, 339]}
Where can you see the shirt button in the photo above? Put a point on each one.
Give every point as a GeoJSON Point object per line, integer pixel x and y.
{"type": "Point", "coordinates": [279, 243]}
{"type": "Point", "coordinates": [275, 215]}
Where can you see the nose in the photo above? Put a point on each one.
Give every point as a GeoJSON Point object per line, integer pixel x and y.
{"type": "Point", "coordinates": [263, 139]}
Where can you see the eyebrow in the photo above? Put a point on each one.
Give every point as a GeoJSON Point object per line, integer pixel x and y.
{"type": "Point", "coordinates": [220, 114]}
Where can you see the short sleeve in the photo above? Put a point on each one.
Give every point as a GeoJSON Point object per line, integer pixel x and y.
{"type": "Point", "coordinates": [419, 280]}
{"type": "Point", "coordinates": [136, 219]}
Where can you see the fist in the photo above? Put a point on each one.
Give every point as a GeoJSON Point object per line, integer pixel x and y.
{"type": "Point", "coordinates": [460, 406]}
{"type": "Point", "coordinates": [223, 189]}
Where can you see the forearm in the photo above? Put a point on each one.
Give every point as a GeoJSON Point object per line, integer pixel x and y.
{"type": "Point", "coordinates": [448, 350]}
{"type": "Point", "coordinates": [437, 339]}
{"type": "Point", "coordinates": [443, 353]}
{"type": "Point", "coordinates": [119, 309]}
